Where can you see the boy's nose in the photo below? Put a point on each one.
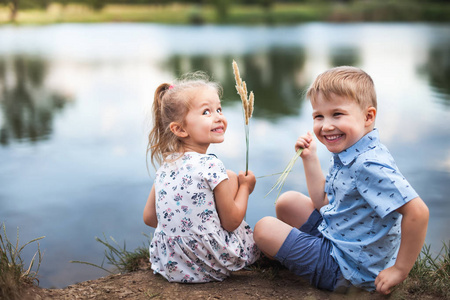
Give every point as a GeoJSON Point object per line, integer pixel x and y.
{"type": "Point", "coordinates": [327, 125]}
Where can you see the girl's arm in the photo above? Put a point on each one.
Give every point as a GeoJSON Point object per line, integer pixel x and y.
{"type": "Point", "coordinates": [231, 198]}
{"type": "Point", "coordinates": [315, 180]}
{"type": "Point", "coordinates": [414, 228]}
{"type": "Point", "coordinates": [150, 210]}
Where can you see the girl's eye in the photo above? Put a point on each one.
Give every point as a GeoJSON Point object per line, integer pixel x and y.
{"type": "Point", "coordinates": [337, 114]}
{"type": "Point", "coordinates": [317, 117]}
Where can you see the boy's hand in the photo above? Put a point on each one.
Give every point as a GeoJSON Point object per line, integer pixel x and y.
{"type": "Point", "coordinates": [248, 180]}
{"type": "Point", "coordinates": [389, 278]}
{"type": "Point", "coordinates": [307, 143]}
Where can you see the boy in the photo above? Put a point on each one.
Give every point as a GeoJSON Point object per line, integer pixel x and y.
{"type": "Point", "coordinates": [372, 224]}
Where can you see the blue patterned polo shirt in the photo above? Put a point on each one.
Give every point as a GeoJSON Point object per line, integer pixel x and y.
{"type": "Point", "coordinates": [364, 188]}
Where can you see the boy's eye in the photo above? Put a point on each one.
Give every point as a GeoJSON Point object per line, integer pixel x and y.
{"type": "Point", "coordinates": [337, 114]}
{"type": "Point", "coordinates": [219, 110]}
{"type": "Point", "coordinates": [317, 117]}
{"type": "Point", "coordinates": [206, 112]}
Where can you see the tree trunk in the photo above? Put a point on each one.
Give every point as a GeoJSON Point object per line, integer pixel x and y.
{"type": "Point", "coordinates": [14, 6]}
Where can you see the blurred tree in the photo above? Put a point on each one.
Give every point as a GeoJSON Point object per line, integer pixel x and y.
{"type": "Point", "coordinates": [13, 7]}
{"type": "Point", "coordinates": [16, 5]}
{"type": "Point", "coordinates": [97, 5]}
{"type": "Point", "coordinates": [222, 8]}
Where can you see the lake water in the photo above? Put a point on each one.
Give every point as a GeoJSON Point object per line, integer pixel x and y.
{"type": "Point", "coordinates": [73, 119]}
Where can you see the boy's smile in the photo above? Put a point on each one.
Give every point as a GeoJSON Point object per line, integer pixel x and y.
{"type": "Point", "coordinates": [340, 122]}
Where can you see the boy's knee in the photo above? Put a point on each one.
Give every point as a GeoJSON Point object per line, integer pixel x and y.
{"type": "Point", "coordinates": [262, 228]}
{"type": "Point", "coordinates": [287, 201]}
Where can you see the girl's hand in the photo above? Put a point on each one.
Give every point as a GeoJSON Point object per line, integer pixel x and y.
{"type": "Point", "coordinates": [308, 143]}
{"type": "Point", "coordinates": [248, 180]}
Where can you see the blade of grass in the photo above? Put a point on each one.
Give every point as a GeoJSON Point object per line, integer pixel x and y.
{"type": "Point", "coordinates": [90, 264]}
{"type": "Point", "coordinates": [281, 180]}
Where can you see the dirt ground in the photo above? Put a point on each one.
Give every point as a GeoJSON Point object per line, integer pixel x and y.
{"type": "Point", "coordinates": [256, 283]}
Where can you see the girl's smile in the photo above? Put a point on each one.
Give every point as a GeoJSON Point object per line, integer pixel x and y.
{"type": "Point", "coordinates": [205, 123]}
{"type": "Point", "coordinates": [219, 129]}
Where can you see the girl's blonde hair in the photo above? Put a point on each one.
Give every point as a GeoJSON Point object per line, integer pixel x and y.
{"type": "Point", "coordinates": [171, 104]}
{"type": "Point", "coordinates": [345, 81]}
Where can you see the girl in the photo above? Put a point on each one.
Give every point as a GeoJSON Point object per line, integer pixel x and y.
{"type": "Point", "coordinates": [196, 205]}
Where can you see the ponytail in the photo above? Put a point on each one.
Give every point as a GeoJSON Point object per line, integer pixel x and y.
{"type": "Point", "coordinates": [155, 138]}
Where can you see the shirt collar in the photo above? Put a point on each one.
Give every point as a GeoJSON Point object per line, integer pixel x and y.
{"type": "Point", "coordinates": [367, 142]}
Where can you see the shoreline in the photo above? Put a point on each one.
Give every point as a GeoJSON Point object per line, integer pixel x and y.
{"type": "Point", "coordinates": [190, 14]}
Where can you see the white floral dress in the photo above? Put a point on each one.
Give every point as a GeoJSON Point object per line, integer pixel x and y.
{"type": "Point", "coordinates": [189, 244]}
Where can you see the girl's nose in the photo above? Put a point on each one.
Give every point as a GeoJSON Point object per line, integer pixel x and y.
{"type": "Point", "coordinates": [219, 117]}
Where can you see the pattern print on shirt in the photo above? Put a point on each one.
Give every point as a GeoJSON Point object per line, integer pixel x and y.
{"type": "Point", "coordinates": [364, 188]}
{"type": "Point", "coordinates": [189, 244]}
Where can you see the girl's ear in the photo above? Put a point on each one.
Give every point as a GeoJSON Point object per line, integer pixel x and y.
{"type": "Point", "coordinates": [371, 113]}
{"type": "Point", "coordinates": [178, 130]}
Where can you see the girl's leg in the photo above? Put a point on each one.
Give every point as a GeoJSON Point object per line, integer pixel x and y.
{"type": "Point", "coordinates": [294, 208]}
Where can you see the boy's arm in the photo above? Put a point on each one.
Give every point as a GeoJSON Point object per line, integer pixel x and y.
{"type": "Point", "coordinates": [315, 180]}
{"type": "Point", "coordinates": [414, 228]}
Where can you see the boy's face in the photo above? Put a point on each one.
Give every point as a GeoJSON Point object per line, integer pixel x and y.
{"type": "Point", "coordinates": [340, 122]}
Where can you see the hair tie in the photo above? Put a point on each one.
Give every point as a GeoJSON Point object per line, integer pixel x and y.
{"type": "Point", "coordinates": [170, 87]}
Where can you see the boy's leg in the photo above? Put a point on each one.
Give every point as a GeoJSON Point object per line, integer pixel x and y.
{"type": "Point", "coordinates": [294, 208]}
{"type": "Point", "coordinates": [303, 251]}
{"type": "Point", "coordinates": [269, 235]}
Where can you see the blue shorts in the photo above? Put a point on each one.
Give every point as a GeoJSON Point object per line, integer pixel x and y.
{"type": "Point", "coordinates": [306, 253]}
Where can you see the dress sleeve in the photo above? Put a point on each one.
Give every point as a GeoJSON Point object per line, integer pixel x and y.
{"type": "Point", "coordinates": [383, 187]}
{"type": "Point", "coordinates": [215, 171]}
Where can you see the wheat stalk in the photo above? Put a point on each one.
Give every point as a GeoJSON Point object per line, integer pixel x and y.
{"type": "Point", "coordinates": [247, 105]}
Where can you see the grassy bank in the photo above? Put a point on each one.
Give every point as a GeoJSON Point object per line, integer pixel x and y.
{"type": "Point", "coordinates": [410, 11]}
{"type": "Point", "coordinates": [14, 272]}
{"type": "Point", "coordinates": [429, 277]}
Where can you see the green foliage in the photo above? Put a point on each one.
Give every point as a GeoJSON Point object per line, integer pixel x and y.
{"type": "Point", "coordinates": [431, 274]}
{"type": "Point", "coordinates": [221, 11]}
{"type": "Point", "coordinates": [123, 260]}
{"type": "Point", "coordinates": [97, 5]}
{"type": "Point", "coordinates": [12, 269]}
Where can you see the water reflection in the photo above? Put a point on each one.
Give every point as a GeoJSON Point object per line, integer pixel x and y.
{"type": "Point", "coordinates": [345, 56]}
{"type": "Point", "coordinates": [437, 69]}
{"type": "Point", "coordinates": [275, 76]}
{"type": "Point", "coordinates": [28, 108]}
{"type": "Point", "coordinates": [73, 102]}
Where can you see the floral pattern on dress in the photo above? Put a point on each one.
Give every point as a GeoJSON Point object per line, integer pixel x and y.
{"type": "Point", "coordinates": [189, 244]}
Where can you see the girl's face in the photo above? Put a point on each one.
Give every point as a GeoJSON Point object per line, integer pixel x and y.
{"type": "Point", "coordinates": [205, 123]}
{"type": "Point", "coordinates": [340, 122]}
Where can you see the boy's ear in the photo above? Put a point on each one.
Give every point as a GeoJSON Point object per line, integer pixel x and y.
{"type": "Point", "coordinates": [371, 113]}
{"type": "Point", "coordinates": [178, 130]}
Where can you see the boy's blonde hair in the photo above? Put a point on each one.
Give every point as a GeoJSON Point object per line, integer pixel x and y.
{"type": "Point", "coordinates": [171, 104]}
{"type": "Point", "coordinates": [345, 81]}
